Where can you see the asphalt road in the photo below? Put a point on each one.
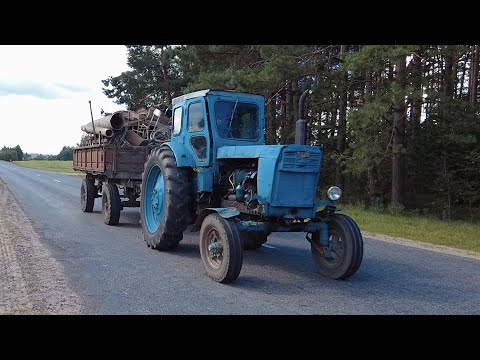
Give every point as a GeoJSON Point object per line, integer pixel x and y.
{"type": "Point", "coordinates": [114, 272]}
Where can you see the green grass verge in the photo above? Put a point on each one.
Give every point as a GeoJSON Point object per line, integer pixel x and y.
{"type": "Point", "coordinates": [461, 235]}
{"type": "Point", "coordinates": [49, 165]}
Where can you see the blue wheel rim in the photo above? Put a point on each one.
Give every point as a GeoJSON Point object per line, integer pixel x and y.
{"type": "Point", "coordinates": [153, 197]}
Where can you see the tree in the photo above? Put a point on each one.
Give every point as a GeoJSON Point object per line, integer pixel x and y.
{"type": "Point", "coordinates": [66, 153]}
{"type": "Point", "coordinates": [19, 152]}
{"type": "Point", "coordinates": [153, 80]}
{"type": "Point", "coordinates": [11, 154]}
{"type": "Point", "coordinates": [398, 124]}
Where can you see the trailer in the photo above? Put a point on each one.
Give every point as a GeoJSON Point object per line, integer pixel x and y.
{"type": "Point", "coordinates": [112, 154]}
{"type": "Point", "coordinates": [113, 173]}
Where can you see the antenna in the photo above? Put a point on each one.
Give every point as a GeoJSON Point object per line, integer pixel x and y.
{"type": "Point", "coordinates": [91, 115]}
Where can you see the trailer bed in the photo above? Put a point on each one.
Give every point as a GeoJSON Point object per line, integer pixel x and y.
{"type": "Point", "coordinates": [112, 161]}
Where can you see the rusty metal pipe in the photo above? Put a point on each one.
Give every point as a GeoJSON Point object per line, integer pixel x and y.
{"type": "Point", "coordinates": [113, 121]}
{"type": "Point", "coordinates": [133, 138]}
{"type": "Point", "coordinates": [98, 130]}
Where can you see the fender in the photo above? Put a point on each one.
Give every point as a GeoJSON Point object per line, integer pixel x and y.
{"type": "Point", "coordinates": [182, 156]}
{"type": "Point", "coordinates": [223, 212]}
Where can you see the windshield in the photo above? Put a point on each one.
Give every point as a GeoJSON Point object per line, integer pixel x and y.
{"type": "Point", "coordinates": [237, 120]}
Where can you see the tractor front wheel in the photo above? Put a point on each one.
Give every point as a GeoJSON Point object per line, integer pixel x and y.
{"type": "Point", "coordinates": [343, 254]}
{"type": "Point", "coordinates": [221, 248]}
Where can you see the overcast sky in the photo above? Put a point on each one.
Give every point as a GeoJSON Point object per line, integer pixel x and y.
{"type": "Point", "coordinates": [44, 92]}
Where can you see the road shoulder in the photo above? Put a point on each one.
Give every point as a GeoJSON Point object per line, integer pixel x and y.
{"type": "Point", "coordinates": [424, 246]}
{"type": "Point", "coordinates": [31, 280]}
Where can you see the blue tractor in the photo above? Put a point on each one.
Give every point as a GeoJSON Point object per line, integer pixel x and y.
{"type": "Point", "coordinates": [216, 174]}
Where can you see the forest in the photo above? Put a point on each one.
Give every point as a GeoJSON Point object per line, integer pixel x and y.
{"type": "Point", "coordinates": [399, 125]}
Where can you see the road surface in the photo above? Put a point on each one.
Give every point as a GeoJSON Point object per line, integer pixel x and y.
{"type": "Point", "coordinates": [111, 270]}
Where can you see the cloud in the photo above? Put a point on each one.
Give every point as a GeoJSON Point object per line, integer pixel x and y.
{"type": "Point", "coordinates": [44, 92]}
{"type": "Point", "coordinates": [38, 89]}
{"type": "Point", "coordinates": [73, 87]}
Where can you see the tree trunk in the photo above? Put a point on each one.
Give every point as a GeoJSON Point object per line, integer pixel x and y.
{"type": "Point", "coordinates": [167, 84]}
{"type": "Point", "coordinates": [448, 88]}
{"type": "Point", "coordinates": [296, 98]}
{"type": "Point", "coordinates": [283, 118]}
{"type": "Point", "coordinates": [398, 163]}
{"type": "Point", "coordinates": [372, 186]}
{"type": "Point", "coordinates": [288, 114]}
{"type": "Point", "coordinates": [271, 112]}
{"type": "Point", "coordinates": [333, 121]}
{"type": "Point", "coordinates": [462, 79]}
{"type": "Point", "coordinates": [418, 92]}
{"type": "Point", "coordinates": [342, 120]}
{"type": "Point", "coordinates": [473, 82]}
{"type": "Point", "coordinates": [368, 86]}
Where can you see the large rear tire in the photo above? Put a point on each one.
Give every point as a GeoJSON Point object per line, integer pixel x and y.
{"type": "Point", "coordinates": [343, 255]}
{"type": "Point", "coordinates": [87, 195]}
{"type": "Point", "coordinates": [164, 201]}
{"type": "Point", "coordinates": [111, 204]}
{"type": "Point", "coordinates": [220, 248]}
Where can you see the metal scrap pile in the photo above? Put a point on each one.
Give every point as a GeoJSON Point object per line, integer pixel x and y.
{"type": "Point", "coordinates": [126, 128]}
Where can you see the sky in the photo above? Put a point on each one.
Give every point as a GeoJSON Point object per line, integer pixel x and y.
{"type": "Point", "coordinates": [45, 89]}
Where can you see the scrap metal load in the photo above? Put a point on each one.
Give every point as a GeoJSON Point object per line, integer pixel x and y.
{"type": "Point", "coordinates": [128, 128]}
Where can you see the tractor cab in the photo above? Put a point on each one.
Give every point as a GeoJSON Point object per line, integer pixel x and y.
{"type": "Point", "coordinates": [206, 120]}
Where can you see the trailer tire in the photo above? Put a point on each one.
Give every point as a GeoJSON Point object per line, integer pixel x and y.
{"type": "Point", "coordinates": [348, 249]}
{"type": "Point", "coordinates": [111, 204]}
{"type": "Point", "coordinates": [87, 195]}
{"type": "Point", "coordinates": [164, 201]}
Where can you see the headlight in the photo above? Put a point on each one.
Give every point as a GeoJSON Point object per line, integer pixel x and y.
{"type": "Point", "coordinates": [334, 193]}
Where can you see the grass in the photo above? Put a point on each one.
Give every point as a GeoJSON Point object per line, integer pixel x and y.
{"type": "Point", "coordinates": [49, 165]}
{"type": "Point", "coordinates": [457, 234]}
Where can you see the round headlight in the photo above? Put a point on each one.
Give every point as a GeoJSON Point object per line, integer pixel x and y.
{"type": "Point", "coordinates": [334, 193]}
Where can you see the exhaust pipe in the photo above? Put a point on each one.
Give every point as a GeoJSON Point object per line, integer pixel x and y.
{"type": "Point", "coordinates": [301, 124]}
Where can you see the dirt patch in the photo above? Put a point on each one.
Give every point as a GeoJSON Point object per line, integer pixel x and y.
{"type": "Point", "coordinates": [31, 280]}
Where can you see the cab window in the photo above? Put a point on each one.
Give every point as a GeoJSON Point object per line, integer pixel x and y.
{"type": "Point", "coordinates": [177, 120]}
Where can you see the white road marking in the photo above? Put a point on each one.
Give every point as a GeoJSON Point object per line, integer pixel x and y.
{"type": "Point", "coordinates": [56, 180]}
{"type": "Point", "coordinates": [38, 175]}
{"type": "Point", "coordinates": [268, 246]}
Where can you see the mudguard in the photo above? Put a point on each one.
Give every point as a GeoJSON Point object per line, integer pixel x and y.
{"type": "Point", "coordinates": [226, 213]}
{"type": "Point", "coordinates": [182, 155]}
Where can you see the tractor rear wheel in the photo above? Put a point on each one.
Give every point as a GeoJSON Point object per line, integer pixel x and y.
{"type": "Point", "coordinates": [164, 201]}
{"type": "Point", "coordinates": [220, 248]}
{"type": "Point", "coordinates": [252, 240]}
{"type": "Point", "coordinates": [87, 195]}
{"type": "Point", "coordinates": [111, 204]}
{"type": "Point", "coordinates": [343, 254]}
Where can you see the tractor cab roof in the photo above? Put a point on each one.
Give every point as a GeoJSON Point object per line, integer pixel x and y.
{"type": "Point", "coordinates": [203, 93]}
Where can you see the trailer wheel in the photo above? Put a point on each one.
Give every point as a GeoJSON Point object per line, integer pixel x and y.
{"type": "Point", "coordinates": [343, 255]}
{"type": "Point", "coordinates": [111, 204]}
{"type": "Point", "coordinates": [87, 195]}
{"type": "Point", "coordinates": [252, 241]}
{"type": "Point", "coordinates": [220, 248]}
{"type": "Point", "coordinates": [164, 200]}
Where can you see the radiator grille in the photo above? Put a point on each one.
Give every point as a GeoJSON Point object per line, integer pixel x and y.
{"type": "Point", "coordinates": [301, 160]}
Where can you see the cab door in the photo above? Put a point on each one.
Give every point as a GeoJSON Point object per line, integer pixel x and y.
{"type": "Point", "coordinates": [197, 137]}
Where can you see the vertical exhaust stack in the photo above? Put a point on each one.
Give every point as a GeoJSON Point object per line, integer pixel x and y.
{"type": "Point", "coordinates": [301, 124]}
